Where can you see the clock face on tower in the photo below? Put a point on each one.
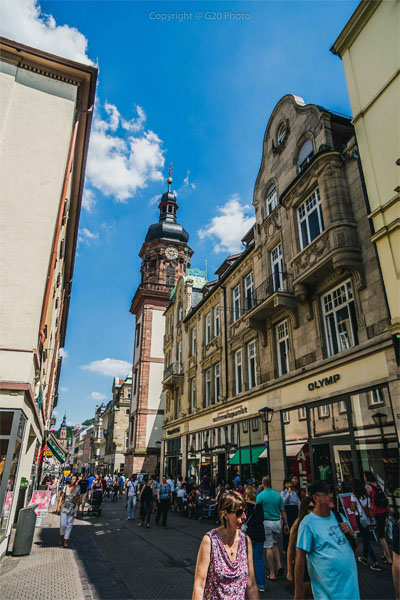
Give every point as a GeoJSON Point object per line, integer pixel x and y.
{"type": "Point", "coordinates": [171, 253]}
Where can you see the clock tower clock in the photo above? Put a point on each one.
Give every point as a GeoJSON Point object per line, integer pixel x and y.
{"type": "Point", "coordinates": [165, 257]}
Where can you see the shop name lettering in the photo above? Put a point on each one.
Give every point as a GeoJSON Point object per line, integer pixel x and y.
{"type": "Point", "coordinates": [230, 413]}
{"type": "Point", "coordinates": [314, 385]}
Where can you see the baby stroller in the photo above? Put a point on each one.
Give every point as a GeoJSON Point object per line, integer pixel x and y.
{"type": "Point", "coordinates": [97, 499]}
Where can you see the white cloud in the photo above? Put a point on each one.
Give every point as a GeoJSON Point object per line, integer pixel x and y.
{"type": "Point", "coordinates": [24, 21]}
{"type": "Point", "coordinates": [85, 236]}
{"type": "Point", "coordinates": [88, 199]}
{"type": "Point", "coordinates": [110, 367]}
{"type": "Point", "coordinates": [98, 396]}
{"type": "Point", "coordinates": [229, 226]}
{"type": "Point", "coordinates": [63, 389]}
{"type": "Point", "coordinates": [54, 413]}
{"type": "Point", "coordinates": [187, 183]}
{"type": "Point", "coordinates": [63, 353]}
{"type": "Point", "coordinates": [120, 165]}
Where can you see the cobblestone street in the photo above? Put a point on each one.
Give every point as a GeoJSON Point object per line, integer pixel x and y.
{"type": "Point", "coordinates": [111, 558]}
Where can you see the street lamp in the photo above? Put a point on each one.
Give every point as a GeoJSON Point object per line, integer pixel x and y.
{"type": "Point", "coordinates": [267, 414]}
{"type": "Point", "coordinates": [158, 446]}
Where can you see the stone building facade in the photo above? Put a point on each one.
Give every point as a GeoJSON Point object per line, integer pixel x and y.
{"type": "Point", "coordinates": [115, 422]}
{"type": "Point", "coordinates": [293, 365]}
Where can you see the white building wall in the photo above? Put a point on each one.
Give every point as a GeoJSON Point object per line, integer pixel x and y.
{"type": "Point", "coordinates": [158, 330]}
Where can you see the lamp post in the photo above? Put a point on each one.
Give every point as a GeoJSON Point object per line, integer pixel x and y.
{"type": "Point", "coordinates": [379, 419]}
{"type": "Point", "coordinates": [267, 414]}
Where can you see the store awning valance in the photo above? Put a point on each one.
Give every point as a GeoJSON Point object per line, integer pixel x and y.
{"type": "Point", "coordinates": [242, 456]}
{"type": "Point", "coordinates": [264, 454]}
{"type": "Point", "coordinates": [294, 449]}
{"type": "Point", "coordinates": [58, 452]}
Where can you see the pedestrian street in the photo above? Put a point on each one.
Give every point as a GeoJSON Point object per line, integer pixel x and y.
{"type": "Point", "coordinates": [112, 558]}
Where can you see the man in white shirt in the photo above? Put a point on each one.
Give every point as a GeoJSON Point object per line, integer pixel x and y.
{"type": "Point", "coordinates": [131, 488]}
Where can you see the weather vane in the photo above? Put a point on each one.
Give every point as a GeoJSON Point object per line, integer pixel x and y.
{"type": "Point", "coordinates": [170, 171]}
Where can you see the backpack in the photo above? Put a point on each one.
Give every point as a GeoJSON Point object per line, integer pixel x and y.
{"type": "Point", "coordinates": [380, 498]}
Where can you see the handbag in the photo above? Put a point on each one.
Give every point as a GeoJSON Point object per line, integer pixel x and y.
{"type": "Point", "coordinates": [366, 520]}
{"type": "Point", "coordinates": [245, 525]}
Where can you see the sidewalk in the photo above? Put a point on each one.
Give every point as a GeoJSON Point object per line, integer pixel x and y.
{"type": "Point", "coordinates": [111, 558]}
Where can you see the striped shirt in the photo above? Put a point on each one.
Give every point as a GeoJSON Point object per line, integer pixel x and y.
{"type": "Point", "coordinates": [165, 491]}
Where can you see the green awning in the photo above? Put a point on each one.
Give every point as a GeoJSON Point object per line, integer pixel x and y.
{"type": "Point", "coordinates": [242, 456]}
{"type": "Point", "coordinates": [57, 451]}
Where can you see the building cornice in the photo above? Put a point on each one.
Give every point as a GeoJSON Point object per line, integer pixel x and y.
{"type": "Point", "coordinates": [354, 25]}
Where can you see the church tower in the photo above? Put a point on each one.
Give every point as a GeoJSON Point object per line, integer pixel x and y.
{"type": "Point", "coordinates": [62, 434]}
{"type": "Point", "coordinates": [165, 257]}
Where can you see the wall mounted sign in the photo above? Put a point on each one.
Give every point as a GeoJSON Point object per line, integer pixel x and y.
{"type": "Point", "coordinates": [230, 413]}
{"type": "Point", "coordinates": [320, 383]}
{"type": "Point", "coordinates": [172, 431]}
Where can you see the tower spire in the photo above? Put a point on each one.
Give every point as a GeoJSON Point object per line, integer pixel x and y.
{"type": "Point", "coordinates": [169, 180]}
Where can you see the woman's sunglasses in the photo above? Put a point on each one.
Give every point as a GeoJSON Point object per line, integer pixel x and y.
{"type": "Point", "coordinates": [238, 513]}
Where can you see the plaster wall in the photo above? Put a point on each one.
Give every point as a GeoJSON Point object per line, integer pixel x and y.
{"type": "Point", "coordinates": [157, 338]}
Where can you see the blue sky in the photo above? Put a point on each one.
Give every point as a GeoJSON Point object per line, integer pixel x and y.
{"type": "Point", "coordinates": [197, 92]}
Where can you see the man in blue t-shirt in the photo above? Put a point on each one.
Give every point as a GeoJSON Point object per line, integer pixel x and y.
{"type": "Point", "coordinates": [330, 559]}
{"type": "Point", "coordinates": [274, 512]}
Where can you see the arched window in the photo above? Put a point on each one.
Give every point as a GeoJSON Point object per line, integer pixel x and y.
{"type": "Point", "coordinates": [281, 133]}
{"type": "Point", "coordinates": [271, 200]}
{"type": "Point", "coordinates": [170, 276]}
{"type": "Point", "coordinates": [180, 312]}
{"type": "Point", "coordinates": [306, 152]}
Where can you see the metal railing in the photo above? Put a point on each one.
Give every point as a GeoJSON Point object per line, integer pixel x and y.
{"type": "Point", "coordinates": [280, 281]}
{"type": "Point", "coordinates": [173, 369]}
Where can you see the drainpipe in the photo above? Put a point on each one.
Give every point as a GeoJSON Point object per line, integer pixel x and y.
{"type": "Point", "coordinates": [53, 258]}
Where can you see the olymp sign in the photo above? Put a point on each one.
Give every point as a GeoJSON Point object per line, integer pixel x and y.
{"type": "Point", "coordinates": [320, 383]}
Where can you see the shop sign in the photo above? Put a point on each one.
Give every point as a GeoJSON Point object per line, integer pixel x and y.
{"type": "Point", "coordinates": [172, 431]}
{"type": "Point", "coordinates": [320, 383]}
{"type": "Point", "coordinates": [230, 413]}
{"type": "Point", "coordinates": [48, 453]}
{"type": "Point", "coordinates": [345, 499]}
{"type": "Point", "coordinates": [42, 499]}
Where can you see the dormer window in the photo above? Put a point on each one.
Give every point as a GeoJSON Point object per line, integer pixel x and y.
{"type": "Point", "coordinates": [305, 154]}
{"type": "Point", "coordinates": [271, 200]}
{"type": "Point", "coordinates": [281, 134]}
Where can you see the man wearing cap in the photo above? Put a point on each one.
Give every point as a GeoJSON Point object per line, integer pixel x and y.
{"type": "Point", "coordinates": [322, 542]}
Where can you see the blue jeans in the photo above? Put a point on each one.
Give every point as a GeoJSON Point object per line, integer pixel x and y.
{"type": "Point", "coordinates": [258, 560]}
{"type": "Point", "coordinates": [145, 510]}
{"type": "Point", "coordinates": [131, 507]}
{"type": "Point", "coordinates": [367, 546]}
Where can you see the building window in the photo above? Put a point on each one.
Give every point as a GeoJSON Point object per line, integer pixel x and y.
{"type": "Point", "coordinates": [251, 365]}
{"type": "Point", "coordinates": [236, 302]}
{"type": "Point", "coordinates": [245, 426]}
{"type": "Point", "coordinates": [305, 154]}
{"type": "Point", "coordinates": [207, 390]}
{"type": "Point", "coordinates": [180, 312]}
{"type": "Point", "coordinates": [127, 412]}
{"type": "Point", "coordinates": [135, 380]}
{"type": "Point", "coordinates": [282, 347]}
{"type": "Point", "coordinates": [177, 404]}
{"type": "Point", "coordinates": [193, 394]}
{"type": "Point", "coordinates": [342, 407]}
{"type": "Point", "coordinates": [255, 424]}
{"type": "Point", "coordinates": [168, 402]}
{"type": "Point", "coordinates": [271, 200]}
{"type": "Point", "coordinates": [216, 320]}
{"type": "Point", "coordinates": [277, 268]}
{"type": "Point", "coordinates": [238, 372]}
{"type": "Point", "coordinates": [310, 219]}
{"type": "Point", "coordinates": [208, 329]}
{"type": "Point", "coordinates": [137, 335]}
{"type": "Point", "coordinates": [217, 382]}
{"type": "Point", "coordinates": [170, 276]}
{"type": "Point", "coordinates": [248, 291]}
{"type": "Point", "coordinates": [302, 413]}
{"type": "Point", "coordinates": [376, 397]}
{"type": "Point", "coordinates": [193, 342]}
{"type": "Point", "coordinates": [323, 411]}
{"type": "Point", "coordinates": [281, 133]}
{"type": "Point", "coordinates": [286, 416]}
{"type": "Point", "coordinates": [340, 318]}
{"type": "Point", "coordinates": [179, 357]}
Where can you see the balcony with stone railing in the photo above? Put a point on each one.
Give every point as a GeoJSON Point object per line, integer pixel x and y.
{"type": "Point", "coordinates": [173, 376]}
{"type": "Point", "coordinates": [336, 248]}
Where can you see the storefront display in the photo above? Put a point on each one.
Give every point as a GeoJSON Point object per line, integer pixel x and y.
{"type": "Point", "coordinates": [338, 439]}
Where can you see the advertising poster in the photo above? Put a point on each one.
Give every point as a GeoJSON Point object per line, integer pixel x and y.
{"type": "Point", "coordinates": [345, 499]}
{"type": "Point", "coordinates": [42, 499]}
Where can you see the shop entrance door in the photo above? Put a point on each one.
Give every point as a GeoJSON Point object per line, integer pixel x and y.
{"type": "Point", "coordinates": [334, 462]}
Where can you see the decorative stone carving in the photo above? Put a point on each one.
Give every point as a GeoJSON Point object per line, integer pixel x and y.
{"type": "Point", "coordinates": [312, 254]}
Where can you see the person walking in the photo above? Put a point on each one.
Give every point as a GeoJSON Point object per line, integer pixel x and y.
{"type": "Point", "coordinates": [274, 512]}
{"type": "Point", "coordinates": [115, 488]}
{"type": "Point", "coordinates": [291, 502]}
{"type": "Point", "coordinates": [306, 506]}
{"type": "Point", "coordinates": [380, 508]}
{"type": "Point", "coordinates": [83, 485]}
{"type": "Point", "coordinates": [53, 492]}
{"type": "Point", "coordinates": [254, 528]}
{"type": "Point", "coordinates": [146, 501]}
{"type": "Point", "coordinates": [131, 498]}
{"type": "Point", "coordinates": [90, 483]}
{"type": "Point", "coordinates": [164, 499]}
{"type": "Point", "coordinates": [67, 504]}
{"type": "Point", "coordinates": [361, 507]}
{"type": "Point", "coordinates": [224, 566]}
{"type": "Point", "coordinates": [324, 543]}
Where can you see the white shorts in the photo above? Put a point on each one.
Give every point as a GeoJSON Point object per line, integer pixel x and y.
{"type": "Point", "coordinates": [272, 532]}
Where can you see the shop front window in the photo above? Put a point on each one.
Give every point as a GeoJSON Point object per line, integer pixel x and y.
{"type": "Point", "coordinates": [328, 420]}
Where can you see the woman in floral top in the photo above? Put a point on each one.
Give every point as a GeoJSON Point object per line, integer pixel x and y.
{"type": "Point", "coordinates": [67, 508]}
{"type": "Point", "coordinates": [224, 567]}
